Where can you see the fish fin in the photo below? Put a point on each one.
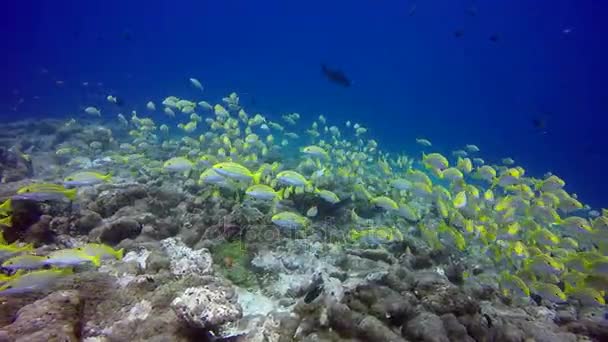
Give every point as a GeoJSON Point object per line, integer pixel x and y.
{"type": "Point", "coordinates": [96, 260]}
{"type": "Point", "coordinates": [107, 177]}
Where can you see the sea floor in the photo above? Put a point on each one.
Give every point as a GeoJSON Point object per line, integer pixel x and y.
{"type": "Point", "coordinates": [200, 269]}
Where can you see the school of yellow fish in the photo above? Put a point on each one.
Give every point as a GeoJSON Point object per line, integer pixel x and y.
{"type": "Point", "coordinates": [541, 239]}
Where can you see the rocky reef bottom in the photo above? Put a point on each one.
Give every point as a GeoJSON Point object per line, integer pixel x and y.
{"type": "Point", "coordinates": [199, 270]}
{"type": "Point", "coordinates": [305, 291]}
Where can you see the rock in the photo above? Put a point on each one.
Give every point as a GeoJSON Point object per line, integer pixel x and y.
{"type": "Point", "coordinates": [60, 225]}
{"type": "Point", "coordinates": [595, 330]}
{"type": "Point", "coordinates": [516, 324]}
{"type": "Point", "coordinates": [449, 299]}
{"type": "Point", "coordinates": [158, 261]}
{"type": "Point", "coordinates": [56, 317]}
{"type": "Point", "coordinates": [385, 304]}
{"type": "Point", "coordinates": [475, 325]}
{"type": "Point", "coordinates": [185, 260]}
{"type": "Point", "coordinates": [426, 327]}
{"type": "Point", "coordinates": [400, 279]}
{"type": "Point", "coordinates": [115, 231]}
{"type": "Point", "coordinates": [429, 281]}
{"type": "Point", "coordinates": [456, 331]}
{"type": "Point", "coordinates": [565, 316]}
{"type": "Point", "coordinates": [373, 254]}
{"type": "Point", "coordinates": [111, 200]}
{"type": "Point", "coordinates": [14, 166]}
{"type": "Point", "coordinates": [87, 221]}
{"type": "Point", "coordinates": [207, 308]}
{"type": "Point", "coordinates": [343, 319]}
{"type": "Point", "coordinates": [39, 232]}
{"type": "Point", "coordinates": [506, 333]}
{"type": "Point", "coordinates": [372, 329]}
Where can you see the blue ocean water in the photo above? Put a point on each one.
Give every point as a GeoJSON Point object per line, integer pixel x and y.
{"type": "Point", "coordinates": [456, 72]}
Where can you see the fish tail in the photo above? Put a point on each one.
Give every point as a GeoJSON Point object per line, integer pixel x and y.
{"type": "Point", "coordinates": [120, 254]}
{"type": "Point", "coordinates": [568, 288]}
{"type": "Point", "coordinates": [280, 194]}
{"type": "Point", "coordinates": [257, 176]}
{"type": "Point", "coordinates": [71, 194]}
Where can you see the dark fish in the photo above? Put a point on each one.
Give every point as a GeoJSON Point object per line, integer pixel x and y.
{"type": "Point", "coordinates": [336, 76]}
{"type": "Point", "coordinates": [494, 37]}
{"type": "Point", "coordinates": [458, 33]}
{"type": "Point", "coordinates": [120, 102]}
{"type": "Point", "coordinates": [539, 123]}
{"type": "Point", "coordinates": [412, 10]}
{"type": "Point", "coordinates": [127, 35]}
{"type": "Point", "coordinates": [472, 10]}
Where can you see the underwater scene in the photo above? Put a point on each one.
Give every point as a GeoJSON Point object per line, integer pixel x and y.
{"type": "Point", "coordinates": [303, 171]}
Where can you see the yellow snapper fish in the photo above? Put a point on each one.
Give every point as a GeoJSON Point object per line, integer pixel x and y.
{"type": "Point", "coordinates": [465, 165]}
{"type": "Point", "coordinates": [509, 177]}
{"type": "Point", "coordinates": [328, 196]}
{"type": "Point", "coordinates": [101, 251]}
{"type": "Point", "coordinates": [7, 251]}
{"type": "Point", "coordinates": [549, 292]}
{"type": "Point", "coordinates": [435, 161]}
{"type": "Point", "coordinates": [84, 178]}
{"type": "Point", "coordinates": [92, 111]}
{"type": "Point", "coordinates": [575, 225]}
{"type": "Point", "coordinates": [407, 212]}
{"type": "Point", "coordinates": [401, 184]}
{"type": "Point", "coordinates": [25, 262]}
{"type": "Point", "coordinates": [178, 164]}
{"type": "Point", "coordinates": [44, 192]}
{"type": "Point", "coordinates": [454, 235]}
{"type": "Point", "coordinates": [513, 284]}
{"type": "Point", "coordinates": [543, 265]}
{"type": "Point", "coordinates": [586, 296]}
{"type": "Point", "coordinates": [452, 174]}
{"type": "Point", "coordinates": [460, 200]}
{"type": "Point", "coordinates": [33, 281]}
{"type": "Point", "coordinates": [292, 178]}
{"type": "Point", "coordinates": [423, 142]}
{"type": "Point", "coordinates": [150, 106]}
{"type": "Point", "coordinates": [508, 161]}
{"type": "Point", "coordinates": [71, 257]}
{"type": "Point", "coordinates": [551, 183]}
{"type": "Point", "coordinates": [384, 203]}
{"type": "Point", "coordinates": [375, 236]}
{"type": "Point", "coordinates": [486, 173]}
{"type": "Point", "coordinates": [237, 172]}
{"type": "Point", "coordinates": [315, 151]}
{"type": "Point", "coordinates": [263, 192]}
{"type": "Point", "coordinates": [289, 220]}
{"type": "Point", "coordinates": [169, 112]}
{"type": "Point", "coordinates": [472, 148]}
{"type": "Point", "coordinates": [211, 177]}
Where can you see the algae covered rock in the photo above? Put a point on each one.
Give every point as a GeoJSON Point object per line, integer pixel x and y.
{"type": "Point", "coordinates": [56, 317]}
{"type": "Point", "coordinates": [426, 327]}
{"type": "Point", "coordinates": [116, 231]}
{"type": "Point", "coordinates": [207, 308]}
{"type": "Point", "coordinates": [184, 260]}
